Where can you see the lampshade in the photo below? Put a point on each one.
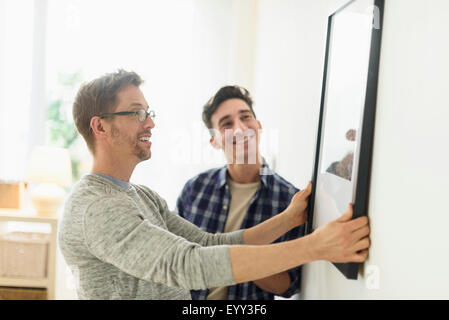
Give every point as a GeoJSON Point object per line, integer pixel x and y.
{"type": "Point", "coordinates": [50, 165]}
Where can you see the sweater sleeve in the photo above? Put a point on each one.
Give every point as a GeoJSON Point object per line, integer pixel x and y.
{"type": "Point", "coordinates": [184, 228]}
{"type": "Point", "coordinates": [116, 233]}
{"type": "Point", "coordinates": [191, 232]}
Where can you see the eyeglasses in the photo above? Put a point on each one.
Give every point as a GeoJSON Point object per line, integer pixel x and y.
{"type": "Point", "coordinates": [141, 114]}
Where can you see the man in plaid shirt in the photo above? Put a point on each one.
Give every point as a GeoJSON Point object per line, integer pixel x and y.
{"type": "Point", "coordinates": [241, 194]}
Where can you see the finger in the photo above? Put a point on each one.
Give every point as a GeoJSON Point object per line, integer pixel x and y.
{"type": "Point", "coordinates": [360, 233]}
{"type": "Point", "coordinates": [347, 215]}
{"type": "Point", "coordinates": [360, 256]}
{"type": "Point", "coordinates": [309, 188]}
{"type": "Point", "coordinates": [304, 193]}
{"type": "Point", "coordinates": [357, 223]}
{"type": "Point", "coordinates": [299, 196]}
{"type": "Point", "coordinates": [362, 244]}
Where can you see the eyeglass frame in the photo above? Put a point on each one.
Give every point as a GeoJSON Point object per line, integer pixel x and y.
{"type": "Point", "coordinates": [149, 113]}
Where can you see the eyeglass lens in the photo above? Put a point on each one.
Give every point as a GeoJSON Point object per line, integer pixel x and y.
{"type": "Point", "coordinates": [142, 115]}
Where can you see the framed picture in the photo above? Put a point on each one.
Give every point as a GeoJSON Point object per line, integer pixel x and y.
{"type": "Point", "coordinates": [341, 173]}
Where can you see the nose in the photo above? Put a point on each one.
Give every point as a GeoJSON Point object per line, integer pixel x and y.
{"type": "Point", "coordinates": [239, 126]}
{"type": "Point", "coordinates": [149, 123]}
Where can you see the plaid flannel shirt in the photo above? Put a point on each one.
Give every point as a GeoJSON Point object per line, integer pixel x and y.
{"type": "Point", "coordinates": [205, 201]}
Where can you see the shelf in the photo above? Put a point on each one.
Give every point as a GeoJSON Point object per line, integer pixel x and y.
{"type": "Point", "coordinates": [23, 282]}
{"type": "Point", "coordinates": [25, 216]}
{"type": "Point", "coordinates": [28, 214]}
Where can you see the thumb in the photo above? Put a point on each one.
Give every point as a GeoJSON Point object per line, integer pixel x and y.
{"type": "Point", "coordinates": [347, 215]}
{"type": "Point", "coordinates": [309, 188]}
{"type": "Point", "coordinates": [305, 193]}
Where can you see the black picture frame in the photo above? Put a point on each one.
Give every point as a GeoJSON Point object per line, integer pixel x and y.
{"type": "Point", "coordinates": [360, 205]}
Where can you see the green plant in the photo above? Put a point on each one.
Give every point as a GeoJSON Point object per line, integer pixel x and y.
{"type": "Point", "coordinates": [61, 129]}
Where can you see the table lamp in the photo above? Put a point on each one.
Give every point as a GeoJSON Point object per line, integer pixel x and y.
{"type": "Point", "coordinates": [50, 169]}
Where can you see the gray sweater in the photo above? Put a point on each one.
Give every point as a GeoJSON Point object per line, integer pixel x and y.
{"type": "Point", "coordinates": [125, 244]}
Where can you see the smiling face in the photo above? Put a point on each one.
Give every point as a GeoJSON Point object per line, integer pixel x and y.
{"type": "Point", "coordinates": [128, 137]}
{"type": "Point", "coordinates": [236, 131]}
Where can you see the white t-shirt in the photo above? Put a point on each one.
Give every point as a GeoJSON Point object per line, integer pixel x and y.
{"type": "Point", "coordinates": [241, 196]}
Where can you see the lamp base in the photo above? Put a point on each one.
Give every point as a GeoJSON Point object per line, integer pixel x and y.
{"type": "Point", "coordinates": [47, 198]}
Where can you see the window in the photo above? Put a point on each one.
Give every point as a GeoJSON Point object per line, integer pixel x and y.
{"type": "Point", "coordinates": [16, 56]}
{"type": "Point", "coordinates": [185, 50]}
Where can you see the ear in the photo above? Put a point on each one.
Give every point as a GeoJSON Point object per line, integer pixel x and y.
{"type": "Point", "coordinates": [260, 130]}
{"type": "Point", "coordinates": [97, 127]}
{"type": "Point", "coordinates": [215, 143]}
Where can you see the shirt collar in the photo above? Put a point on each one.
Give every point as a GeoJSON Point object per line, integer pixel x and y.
{"type": "Point", "coordinates": [120, 183]}
{"type": "Point", "coordinates": [265, 174]}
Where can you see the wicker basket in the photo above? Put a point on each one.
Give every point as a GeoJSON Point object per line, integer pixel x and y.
{"type": "Point", "coordinates": [24, 254]}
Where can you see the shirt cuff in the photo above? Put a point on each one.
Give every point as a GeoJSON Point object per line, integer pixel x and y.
{"type": "Point", "coordinates": [235, 237]}
{"type": "Point", "coordinates": [295, 282]}
{"type": "Point", "coordinates": [218, 268]}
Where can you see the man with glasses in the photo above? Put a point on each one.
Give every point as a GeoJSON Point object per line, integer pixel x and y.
{"type": "Point", "coordinates": [121, 241]}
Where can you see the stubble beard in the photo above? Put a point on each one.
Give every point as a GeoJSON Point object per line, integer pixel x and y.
{"type": "Point", "coordinates": [123, 140]}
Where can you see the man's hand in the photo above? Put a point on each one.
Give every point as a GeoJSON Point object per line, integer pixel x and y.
{"type": "Point", "coordinates": [343, 240]}
{"type": "Point", "coordinates": [296, 210]}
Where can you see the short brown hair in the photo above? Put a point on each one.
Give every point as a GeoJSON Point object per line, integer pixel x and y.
{"type": "Point", "coordinates": [225, 93]}
{"type": "Point", "coordinates": [97, 97]}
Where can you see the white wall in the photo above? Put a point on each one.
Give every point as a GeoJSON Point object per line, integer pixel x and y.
{"type": "Point", "coordinates": [289, 63]}
{"type": "Point", "coordinates": [408, 209]}
{"type": "Point", "coordinates": [222, 42]}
